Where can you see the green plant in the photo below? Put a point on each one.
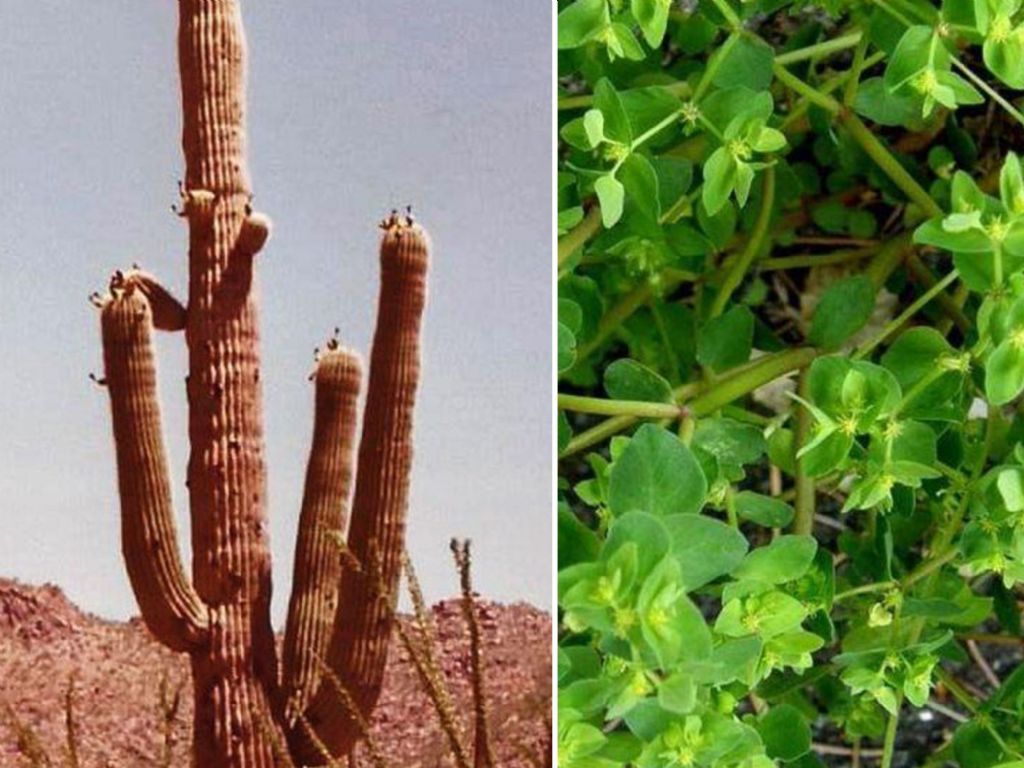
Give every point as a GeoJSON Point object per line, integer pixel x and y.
{"type": "Point", "coordinates": [792, 250]}
{"type": "Point", "coordinates": [246, 704]}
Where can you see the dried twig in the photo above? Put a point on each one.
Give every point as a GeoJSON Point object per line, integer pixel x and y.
{"type": "Point", "coordinates": [71, 729]}
{"type": "Point", "coordinates": [428, 671]}
{"type": "Point", "coordinates": [27, 741]}
{"type": "Point", "coordinates": [352, 710]}
{"type": "Point", "coordinates": [170, 705]}
{"type": "Point", "coordinates": [483, 757]}
{"type": "Point", "coordinates": [983, 665]}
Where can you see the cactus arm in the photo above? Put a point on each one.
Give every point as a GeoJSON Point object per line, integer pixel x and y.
{"type": "Point", "coordinates": [170, 606]}
{"type": "Point", "coordinates": [362, 629]}
{"type": "Point", "coordinates": [317, 568]}
{"type": "Point", "coordinates": [169, 314]}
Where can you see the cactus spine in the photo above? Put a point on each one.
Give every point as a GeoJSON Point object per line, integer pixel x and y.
{"type": "Point", "coordinates": [247, 704]}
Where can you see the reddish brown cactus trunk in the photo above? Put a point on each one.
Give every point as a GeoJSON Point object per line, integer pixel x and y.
{"type": "Point", "coordinates": [235, 673]}
{"type": "Point", "coordinates": [246, 706]}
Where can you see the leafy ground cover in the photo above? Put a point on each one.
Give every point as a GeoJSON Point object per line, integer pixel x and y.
{"type": "Point", "coordinates": [790, 354]}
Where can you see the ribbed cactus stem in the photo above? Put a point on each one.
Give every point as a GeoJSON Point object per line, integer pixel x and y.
{"type": "Point", "coordinates": [324, 515]}
{"type": "Point", "coordinates": [170, 606]}
{"type": "Point", "coordinates": [376, 536]}
{"type": "Point", "coordinates": [235, 677]}
{"type": "Point", "coordinates": [483, 757]}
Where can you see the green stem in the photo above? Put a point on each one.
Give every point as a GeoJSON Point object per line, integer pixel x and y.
{"type": "Point", "coordinates": [804, 499]}
{"type": "Point", "coordinates": [666, 342]}
{"type": "Point", "coordinates": [580, 101]}
{"type": "Point", "coordinates": [578, 236]}
{"type": "Point", "coordinates": [730, 508]}
{"type": "Point", "coordinates": [880, 586]}
{"type": "Point", "coordinates": [884, 159]}
{"type": "Point", "coordinates": [614, 317]}
{"type": "Point", "coordinates": [728, 13]}
{"type": "Point", "coordinates": [860, 133]}
{"type": "Point", "coordinates": [739, 268]}
{"type": "Point", "coordinates": [727, 389]}
{"type": "Point", "coordinates": [654, 130]}
{"type": "Point", "coordinates": [713, 64]}
{"type": "Point", "coordinates": [895, 324]}
{"type": "Point", "coordinates": [826, 87]}
{"type": "Point", "coordinates": [920, 272]}
{"type": "Point", "coordinates": [894, 13]}
{"type": "Point", "coordinates": [960, 693]}
{"type": "Point", "coordinates": [927, 568]}
{"type": "Point", "coordinates": [853, 82]}
{"type": "Point", "coordinates": [889, 745]}
{"type": "Point", "coordinates": [989, 91]}
{"type": "Point", "coordinates": [815, 260]}
{"type": "Point", "coordinates": [817, 50]}
{"type": "Point", "coordinates": [735, 384]}
{"type": "Point", "coordinates": [919, 386]}
{"type": "Point", "coordinates": [810, 93]}
{"type": "Point", "coordinates": [601, 407]}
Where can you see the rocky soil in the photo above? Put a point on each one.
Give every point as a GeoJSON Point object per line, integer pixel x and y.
{"type": "Point", "coordinates": [118, 670]}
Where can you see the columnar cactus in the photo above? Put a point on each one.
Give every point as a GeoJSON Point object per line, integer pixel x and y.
{"type": "Point", "coordinates": [247, 704]}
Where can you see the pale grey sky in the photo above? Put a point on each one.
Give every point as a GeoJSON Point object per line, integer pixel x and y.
{"type": "Point", "coordinates": [353, 108]}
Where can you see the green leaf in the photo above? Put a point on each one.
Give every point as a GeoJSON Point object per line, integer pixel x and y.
{"type": "Point", "coordinates": [785, 559]}
{"type": "Point", "coordinates": [643, 207]}
{"type": "Point", "coordinates": [652, 16]}
{"type": "Point", "coordinates": [581, 22]}
{"type": "Point", "coordinates": [656, 473]}
{"type": "Point", "coordinates": [564, 431]}
{"type": "Point", "coordinates": [975, 747]}
{"type": "Point", "coordinates": [725, 341]}
{"type": "Point", "coordinates": [844, 309]}
{"type": "Point", "coordinates": [720, 172]}
{"type": "Point", "coordinates": [611, 195]}
{"type": "Point", "coordinates": [678, 693]}
{"type": "Point", "coordinates": [730, 441]}
{"type": "Point", "coordinates": [747, 63]}
{"type": "Point", "coordinates": [704, 547]}
{"type": "Point", "coordinates": [910, 57]}
{"type": "Point", "coordinates": [671, 624]}
{"type": "Point", "coordinates": [785, 732]}
{"type": "Point", "coordinates": [763, 510]}
{"type": "Point", "coordinates": [932, 232]}
{"type": "Point", "coordinates": [675, 174]}
{"type": "Point", "coordinates": [728, 104]}
{"type": "Point", "coordinates": [1010, 483]}
{"type": "Point", "coordinates": [624, 43]}
{"type": "Point", "coordinates": [875, 102]}
{"type": "Point", "coordinates": [627, 379]}
{"type": "Point", "coordinates": [1011, 184]}
{"type": "Point", "coordinates": [1005, 58]}
{"type": "Point", "coordinates": [769, 140]}
{"type": "Point", "coordinates": [1004, 373]}
{"type": "Point", "coordinates": [913, 356]}
{"type": "Point", "coordinates": [593, 126]}
{"type": "Point", "coordinates": [576, 542]}
{"type": "Point", "coordinates": [616, 119]}
{"type": "Point", "coordinates": [643, 531]}
{"type": "Point", "coordinates": [566, 348]}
